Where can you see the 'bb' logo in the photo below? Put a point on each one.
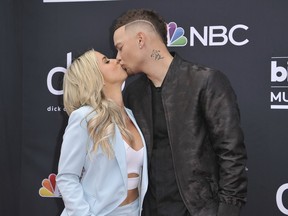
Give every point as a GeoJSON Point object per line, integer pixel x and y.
{"type": "Point", "coordinates": [278, 73]}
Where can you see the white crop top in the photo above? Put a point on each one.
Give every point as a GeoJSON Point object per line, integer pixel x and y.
{"type": "Point", "coordinates": [134, 161]}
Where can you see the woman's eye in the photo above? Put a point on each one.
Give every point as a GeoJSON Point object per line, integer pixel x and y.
{"type": "Point", "coordinates": [106, 60]}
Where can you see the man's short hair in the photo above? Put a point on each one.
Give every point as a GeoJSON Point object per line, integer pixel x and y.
{"type": "Point", "coordinates": [150, 16]}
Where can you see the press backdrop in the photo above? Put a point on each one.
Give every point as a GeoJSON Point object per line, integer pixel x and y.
{"type": "Point", "coordinates": [247, 40]}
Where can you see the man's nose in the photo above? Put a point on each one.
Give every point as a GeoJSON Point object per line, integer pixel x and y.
{"type": "Point", "coordinates": [118, 57]}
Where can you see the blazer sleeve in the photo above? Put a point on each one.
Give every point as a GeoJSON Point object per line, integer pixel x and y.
{"type": "Point", "coordinates": [223, 119]}
{"type": "Point", "coordinates": [71, 163]}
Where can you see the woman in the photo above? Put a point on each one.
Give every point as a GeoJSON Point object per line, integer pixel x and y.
{"type": "Point", "coordinates": [103, 167]}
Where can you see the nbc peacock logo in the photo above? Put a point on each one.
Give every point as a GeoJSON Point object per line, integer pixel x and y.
{"type": "Point", "coordinates": [175, 35]}
{"type": "Point", "coordinates": [49, 187]}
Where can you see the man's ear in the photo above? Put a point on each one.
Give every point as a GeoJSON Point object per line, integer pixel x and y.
{"type": "Point", "coordinates": [140, 39]}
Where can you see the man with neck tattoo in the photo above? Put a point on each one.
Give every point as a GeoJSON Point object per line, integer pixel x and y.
{"type": "Point", "coordinates": [190, 119]}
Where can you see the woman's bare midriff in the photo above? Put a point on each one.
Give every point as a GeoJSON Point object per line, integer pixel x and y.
{"type": "Point", "coordinates": [131, 196]}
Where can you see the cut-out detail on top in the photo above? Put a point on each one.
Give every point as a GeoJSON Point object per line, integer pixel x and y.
{"type": "Point", "coordinates": [134, 161]}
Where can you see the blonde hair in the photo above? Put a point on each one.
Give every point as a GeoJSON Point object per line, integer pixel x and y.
{"type": "Point", "coordinates": [83, 85]}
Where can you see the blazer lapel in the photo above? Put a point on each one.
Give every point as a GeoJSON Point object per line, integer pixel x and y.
{"type": "Point", "coordinates": [120, 154]}
{"type": "Point", "coordinates": [144, 175]}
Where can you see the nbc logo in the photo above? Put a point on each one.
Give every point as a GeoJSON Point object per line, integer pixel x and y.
{"type": "Point", "coordinates": [175, 35]}
{"type": "Point", "coordinates": [49, 187]}
{"type": "Point", "coordinates": [210, 36]}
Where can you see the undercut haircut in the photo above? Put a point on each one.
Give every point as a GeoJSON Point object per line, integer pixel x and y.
{"type": "Point", "coordinates": [150, 16]}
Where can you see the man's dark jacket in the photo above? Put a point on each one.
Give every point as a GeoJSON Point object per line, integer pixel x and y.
{"type": "Point", "coordinates": [207, 143]}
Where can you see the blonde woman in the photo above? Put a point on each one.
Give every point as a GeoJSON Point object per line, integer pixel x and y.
{"type": "Point", "coordinates": [103, 166]}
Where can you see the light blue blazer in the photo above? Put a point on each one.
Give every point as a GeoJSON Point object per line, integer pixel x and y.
{"type": "Point", "coordinates": [91, 183]}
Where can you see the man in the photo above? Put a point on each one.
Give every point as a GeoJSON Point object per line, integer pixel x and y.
{"type": "Point", "coordinates": [190, 120]}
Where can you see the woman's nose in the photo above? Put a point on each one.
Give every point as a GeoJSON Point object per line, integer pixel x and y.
{"type": "Point", "coordinates": [118, 61]}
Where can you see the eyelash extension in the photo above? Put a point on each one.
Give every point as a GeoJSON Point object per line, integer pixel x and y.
{"type": "Point", "coordinates": [106, 60]}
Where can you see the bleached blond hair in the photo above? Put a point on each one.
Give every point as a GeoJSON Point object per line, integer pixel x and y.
{"type": "Point", "coordinates": [83, 86]}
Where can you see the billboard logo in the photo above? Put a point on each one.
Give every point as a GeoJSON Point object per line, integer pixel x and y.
{"type": "Point", "coordinates": [49, 187]}
{"type": "Point", "coordinates": [175, 35]}
{"type": "Point", "coordinates": [279, 83]}
{"type": "Point", "coordinates": [278, 73]}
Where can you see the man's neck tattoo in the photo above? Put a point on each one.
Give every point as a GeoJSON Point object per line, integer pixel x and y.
{"type": "Point", "coordinates": [156, 55]}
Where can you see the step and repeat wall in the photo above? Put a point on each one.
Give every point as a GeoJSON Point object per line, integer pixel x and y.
{"type": "Point", "coordinates": [247, 40]}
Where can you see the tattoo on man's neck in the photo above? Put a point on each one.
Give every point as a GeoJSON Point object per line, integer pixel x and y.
{"type": "Point", "coordinates": [156, 55]}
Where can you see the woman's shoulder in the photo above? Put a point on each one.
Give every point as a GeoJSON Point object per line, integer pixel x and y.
{"type": "Point", "coordinates": [83, 111]}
